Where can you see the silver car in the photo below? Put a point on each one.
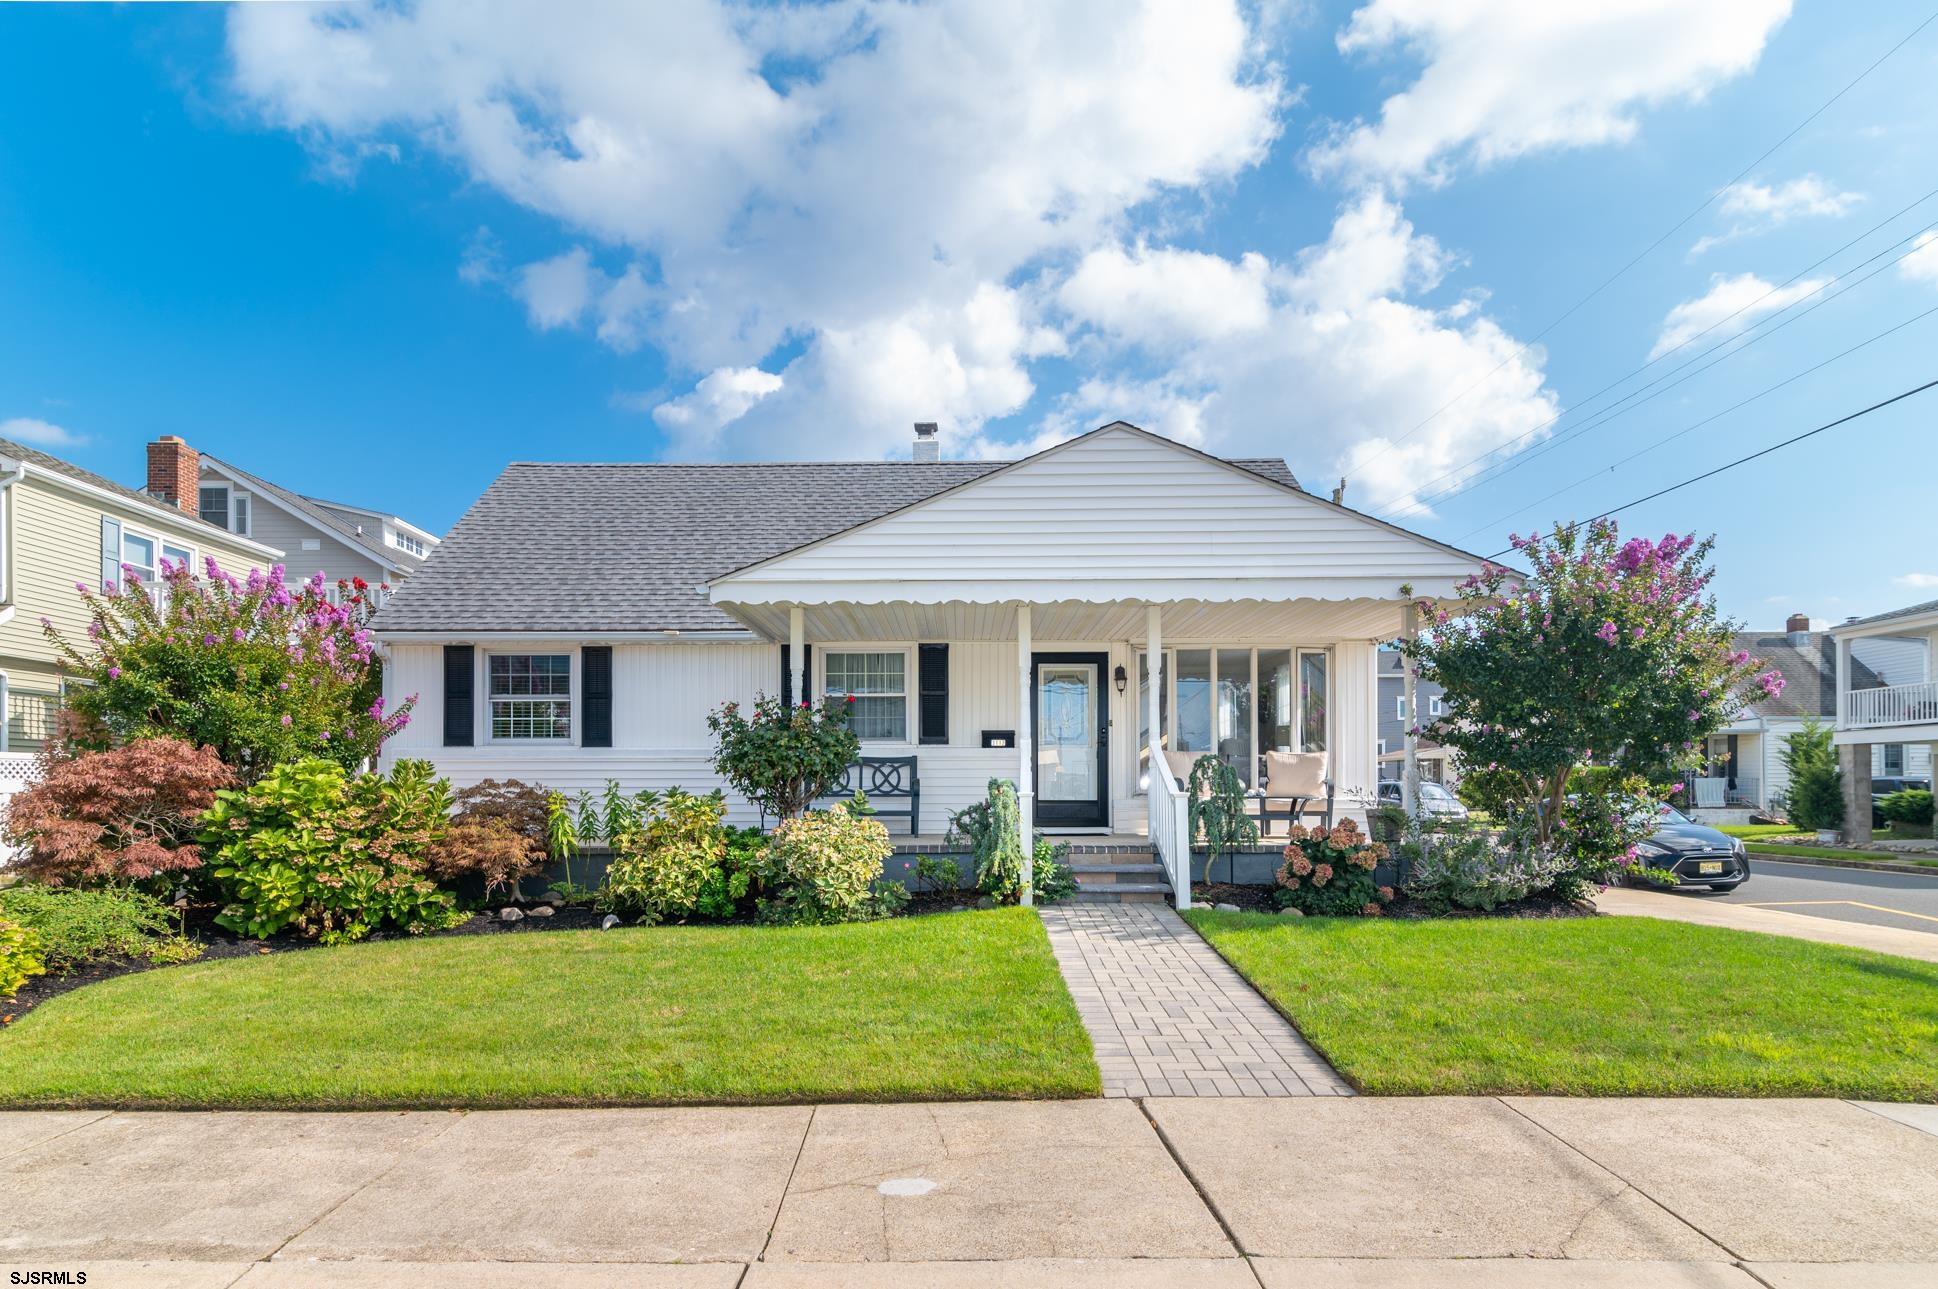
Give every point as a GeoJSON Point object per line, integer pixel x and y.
{"type": "Point", "coordinates": [1435, 800]}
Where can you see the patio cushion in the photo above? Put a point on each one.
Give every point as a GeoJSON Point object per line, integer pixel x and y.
{"type": "Point", "coordinates": [1181, 763]}
{"type": "Point", "coordinates": [1290, 775]}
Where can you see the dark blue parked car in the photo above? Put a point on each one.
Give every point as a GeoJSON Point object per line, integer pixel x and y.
{"type": "Point", "coordinates": [1696, 854]}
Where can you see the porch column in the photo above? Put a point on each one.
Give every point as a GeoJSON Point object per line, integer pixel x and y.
{"type": "Point", "coordinates": [1154, 668]}
{"type": "Point", "coordinates": [797, 650]}
{"type": "Point", "coordinates": [1857, 791]}
{"type": "Point", "coordinates": [1410, 774]}
{"type": "Point", "coordinates": [1843, 680]}
{"type": "Point", "coordinates": [1025, 744]}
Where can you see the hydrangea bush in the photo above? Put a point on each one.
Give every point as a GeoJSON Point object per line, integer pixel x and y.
{"type": "Point", "coordinates": [1328, 872]}
{"type": "Point", "coordinates": [261, 671]}
{"type": "Point", "coordinates": [1603, 652]}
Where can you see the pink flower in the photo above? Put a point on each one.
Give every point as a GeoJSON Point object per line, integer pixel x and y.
{"type": "Point", "coordinates": [286, 724]}
{"type": "Point", "coordinates": [1607, 633]}
{"type": "Point", "coordinates": [114, 673]}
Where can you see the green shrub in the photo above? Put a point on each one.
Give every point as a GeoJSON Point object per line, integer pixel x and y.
{"type": "Point", "coordinates": [1816, 782]}
{"type": "Point", "coordinates": [1912, 806]}
{"type": "Point", "coordinates": [1054, 880]}
{"type": "Point", "coordinates": [782, 758]}
{"type": "Point", "coordinates": [1597, 832]}
{"type": "Point", "coordinates": [1457, 867]}
{"type": "Point", "coordinates": [19, 957]}
{"type": "Point", "coordinates": [1329, 872]}
{"type": "Point", "coordinates": [308, 846]}
{"type": "Point", "coordinates": [671, 859]}
{"type": "Point", "coordinates": [1218, 812]}
{"type": "Point", "coordinates": [991, 829]}
{"type": "Point", "coordinates": [938, 873]}
{"type": "Point", "coordinates": [1496, 792]}
{"type": "Point", "coordinates": [78, 927]}
{"type": "Point", "coordinates": [822, 868]}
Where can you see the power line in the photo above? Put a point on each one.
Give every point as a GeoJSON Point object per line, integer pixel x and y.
{"type": "Point", "coordinates": [1774, 447]}
{"type": "Point", "coordinates": [1697, 425]}
{"type": "Point", "coordinates": [1616, 411]}
{"type": "Point", "coordinates": [1422, 494]}
{"type": "Point", "coordinates": [1646, 251]}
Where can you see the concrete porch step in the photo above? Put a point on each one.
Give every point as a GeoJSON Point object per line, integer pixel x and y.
{"type": "Point", "coordinates": [1123, 893]}
{"type": "Point", "coordinates": [1110, 874]}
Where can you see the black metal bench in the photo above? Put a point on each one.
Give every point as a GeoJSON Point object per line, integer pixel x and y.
{"type": "Point", "coordinates": [882, 778]}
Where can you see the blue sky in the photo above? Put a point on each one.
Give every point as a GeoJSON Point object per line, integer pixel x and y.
{"type": "Point", "coordinates": [376, 254]}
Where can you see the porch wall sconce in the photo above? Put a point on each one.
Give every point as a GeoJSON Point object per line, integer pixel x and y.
{"type": "Point", "coordinates": [1122, 679]}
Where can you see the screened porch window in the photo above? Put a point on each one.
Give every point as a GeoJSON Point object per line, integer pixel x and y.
{"type": "Point", "coordinates": [878, 682]}
{"type": "Point", "coordinates": [531, 695]}
{"type": "Point", "coordinates": [1238, 703]}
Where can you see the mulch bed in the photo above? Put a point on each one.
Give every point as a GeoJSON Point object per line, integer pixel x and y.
{"type": "Point", "coordinates": [1258, 899]}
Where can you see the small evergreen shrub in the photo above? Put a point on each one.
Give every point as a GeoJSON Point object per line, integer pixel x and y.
{"type": "Point", "coordinates": [1050, 865]}
{"type": "Point", "coordinates": [1816, 798]}
{"type": "Point", "coordinates": [309, 847]}
{"type": "Point", "coordinates": [1911, 806]}
{"type": "Point", "coordinates": [938, 873]}
{"type": "Point", "coordinates": [19, 957]}
{"type": "Point", "coordinates": [1218, 815]}
{"type": "Point", "coordinates": [77, 927]}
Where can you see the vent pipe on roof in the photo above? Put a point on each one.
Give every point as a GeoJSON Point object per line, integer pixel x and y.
{"type": "Point", "coordinates": [927, 447]}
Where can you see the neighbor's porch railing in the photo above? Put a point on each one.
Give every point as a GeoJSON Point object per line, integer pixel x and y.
{"type": "Point", "coordinates": [1893, 705]}
{"type": "Point", "coordinates": [1169, 820]}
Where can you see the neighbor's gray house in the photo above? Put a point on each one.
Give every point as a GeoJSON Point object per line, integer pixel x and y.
{"type": "Point", "coordinates": [340, 541]}
{"type": "Point", "coordinates": [1437, 761]}
{"type": "Point", "coordinates": [1063, 620]}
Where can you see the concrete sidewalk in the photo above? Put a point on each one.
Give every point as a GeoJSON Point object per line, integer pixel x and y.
{"type": "Point", "coordinates": [1219, 1193]}
{"type": "Point", "coordinates": [1623, 902]}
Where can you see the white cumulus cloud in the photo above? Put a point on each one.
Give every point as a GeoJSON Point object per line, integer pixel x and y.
{"type": "Point", "coordinates": [1922, 264]}
{"type": "Point", "coordinates": [1758, 206]}
{"type": "Point", "coordinates": [1502, 78]}
{"type": "Point", "coordinates": [1731, 305]}
{"type": "Point", "coordinates": [1917, 581]}
{"type": "Point", "coordinates": [42, 434]}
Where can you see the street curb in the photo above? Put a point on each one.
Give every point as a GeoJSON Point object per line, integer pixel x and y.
{"type": "Point", "coordinates": [1876, 866]}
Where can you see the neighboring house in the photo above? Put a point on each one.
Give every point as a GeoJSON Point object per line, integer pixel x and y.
{"type": "Point", "coordinates": [1887, 710]}
{"type": "Point", "coordinates": [339, 540]}
{"type": "Point", "coordinates": [59, 525]}
{"type": "Point", "coordinates": [1437, 763]}
{"type": "Point", "coordinates": [991, 620]}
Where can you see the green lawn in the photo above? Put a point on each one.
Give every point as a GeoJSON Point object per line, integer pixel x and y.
{"type": "Point", "coordinates": [947, 1006]}
{"type": "Point", "coordinates": [1592, 1006]}
{"type": "Point", "coordinates": [1753, 832]}
{"type": "Point", "coordinates": [1833, 852]}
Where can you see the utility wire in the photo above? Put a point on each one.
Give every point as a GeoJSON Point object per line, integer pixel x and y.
{"type": "Point", "coordinates": [1646, 251]}
{"type": "Point", "coordinates": [1728, 348]}
{"type": "Point", "coordinates": [1697, 425]}
{"type": "Point", "coordinates": [1774, 447]}
{"type": "Point", "coordinates": [1428, 492]}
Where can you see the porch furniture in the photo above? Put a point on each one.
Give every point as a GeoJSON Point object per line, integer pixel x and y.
{"type": "Point", "coordinates": [1181, 763]}
{"type": "Point", "coordinates": [883, 778]}
{"type": "Point", "coordinates": [1293, 781]}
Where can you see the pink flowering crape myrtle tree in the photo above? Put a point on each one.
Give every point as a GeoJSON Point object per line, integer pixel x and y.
{"type": "Point", "coordinates": [254, 668]}
{"type": "Point", "coordinates": [1604, 652]}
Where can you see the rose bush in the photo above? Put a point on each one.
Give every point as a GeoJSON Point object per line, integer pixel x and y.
{"type": "Point", "coordinates": [781, 758]}
{"type": "Point", "coordinates": [258, 670]}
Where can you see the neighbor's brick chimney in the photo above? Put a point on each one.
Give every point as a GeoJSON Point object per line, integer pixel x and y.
{"type": "Point", "coordinates": [1797, 622]}
{"type": "Point", "coordinates": [174, 473]}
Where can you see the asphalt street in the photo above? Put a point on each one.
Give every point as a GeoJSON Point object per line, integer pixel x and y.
{"type": "Point", "coordinates": [1907, 900]}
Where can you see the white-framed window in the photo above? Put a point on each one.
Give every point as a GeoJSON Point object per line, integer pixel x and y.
{"type": "Point", "coordinates": [1382, 747]}
{"type": "Point", "coordinates": [1435, 706]}
{"type": "Point", "coordinates": [1399, 707]}
{"type": "Point", "coordinates": [403, 541]}
{"type": "Point", "coordinates": [528, 697]}
{"type": "Point", "coordinates": [227, 509]}
{"type": "Point", "coordinates": [6, 549]}
{"type": "Point", "coordinates": [138, 554]}
{"type": "Point", "coordinates": [877, 680]}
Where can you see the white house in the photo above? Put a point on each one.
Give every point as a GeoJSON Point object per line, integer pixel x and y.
{"type": "Point", "coordinates": [991, 619]}
{"type": "Point", "coordinates": [1888, 710]}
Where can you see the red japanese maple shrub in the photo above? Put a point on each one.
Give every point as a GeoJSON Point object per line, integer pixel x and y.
{"type": "Point", "coordinates": [126, 814]}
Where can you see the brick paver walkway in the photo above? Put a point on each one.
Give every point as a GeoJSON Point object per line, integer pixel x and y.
{"type": "Point", "coordinates": [1169, 1017]}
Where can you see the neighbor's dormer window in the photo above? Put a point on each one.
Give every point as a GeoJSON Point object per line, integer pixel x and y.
{"type": "Point", "coordinates": [405, 542]}
{"type": "Point", "coordinates": [223, 506]}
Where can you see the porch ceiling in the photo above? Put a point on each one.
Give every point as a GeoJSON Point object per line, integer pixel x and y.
{"type": "Point", "coordinates": [1232, 621]}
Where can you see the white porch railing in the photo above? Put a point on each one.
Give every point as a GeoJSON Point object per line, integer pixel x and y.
{"type": "Point", "coordinates": [1893, 705]}
{"type": "Point", "coordinates": [1169, 820]}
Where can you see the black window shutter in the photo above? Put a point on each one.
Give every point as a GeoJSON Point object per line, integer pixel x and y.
{"type": "Point", "coordinates": [595, 707]}
{"type": "Point", "coordinates": [787, 672]}
{"type": "Point", "coordinates": [460, 670]}
{"type": "Point", "coordinates": [932, 676]}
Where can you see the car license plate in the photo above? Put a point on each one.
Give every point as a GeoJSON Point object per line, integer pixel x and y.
{"type": "Point", "coordinates": [1710, 866]}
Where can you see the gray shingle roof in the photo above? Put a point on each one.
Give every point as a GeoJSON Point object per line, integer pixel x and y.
{"type": "Point", "coordinates": [621, 547]}
{"type": "Point", "coordinates": [333, 524]}
{"type": "Point", "coordinates": [1912, 611]}
{"type": "Point", "coordinates": [1809, 673]}
{"type": "Point", "coordinates": [34, 456]}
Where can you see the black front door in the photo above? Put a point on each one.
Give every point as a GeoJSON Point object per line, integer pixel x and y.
{"type": "Point", "coordinates": [1071, 735]}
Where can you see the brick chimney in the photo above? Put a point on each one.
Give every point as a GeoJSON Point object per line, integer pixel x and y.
{"type": "Point", "coordinates": [174, 473]}
{"type": "Point", "coordinates": [1797, 627]}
